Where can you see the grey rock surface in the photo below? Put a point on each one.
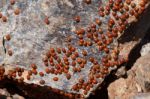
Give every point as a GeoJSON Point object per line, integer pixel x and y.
{"type": "Point", "coordinates": [31, 38]}
{"type": "Point", "coordinates": [142, 96]}
{"type": "Point", "coordinates": [145, 49]}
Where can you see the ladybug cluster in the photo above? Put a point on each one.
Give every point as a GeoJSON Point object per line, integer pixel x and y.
{"type": "Point", "coordinates": [89, 50]}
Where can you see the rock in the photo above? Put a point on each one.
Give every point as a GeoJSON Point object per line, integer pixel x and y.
{"type": "Point", "coordinates": [8, 98]}
{"type": "Point", "coordinates": [138, 76]}
{"type": "Point", "coordinates": [4, 92]}
{"type": "Point", "coordinates": [141, 96]}
{"type": "Point", "coordinates": [135, 34]}
{"type": "Point", "coordinates": [120, 72]}
{"type": "Point", "coordinates": [142, 71]}
{"type": "Point", "coordinates": [16, 96]}
{"type": "Point", "coordinates": [122, 88]}
{"type": "Point", "coordinates": [137, 81]}
{"type": "Point", "coordinates": [33, 30]}
{"type": "Point", "coordinates": [145, 49]}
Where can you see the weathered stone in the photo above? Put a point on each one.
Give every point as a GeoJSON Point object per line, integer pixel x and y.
{"type": "Point", "coordinates": [122, 88]}
{"type": "Point", "coordinates": [141, 96]}
{"type": "Point", "coordinates": [145, 49]}
{"type": "Point", "coordinates": [137, 81]}
{"type": "Point", "coordinates": [16, 96]}
{"type": "Point", "coordinates": [142, 71]}
{"type": "Point", "coordinates": [35, 26]}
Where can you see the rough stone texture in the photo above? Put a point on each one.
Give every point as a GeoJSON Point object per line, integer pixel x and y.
{"type": "Point", "coordinates": [145, 49]}
{"type": "Point", "coordinates": [122, 88]}
{"type": "Point", "coordinates": [31, 38]}
{"type": "Point", "coordinates": [137, 84]}
{"type": "Point", "coordinates": [138, 77]}
{"type": "Point", "coordinates": [4, 94]}
{"type": "Point", "coordinates": [141, 96]}
{"type": "Point", "coordinates": [16, 96]}
{"type": "Point", "coordinates": [137, 32]}
{"type": "Point", "coordinates": [142, 71]}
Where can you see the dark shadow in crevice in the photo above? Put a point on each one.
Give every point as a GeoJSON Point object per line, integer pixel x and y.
{"type": "Point", "coordinates": [29, 91]}
{"type": "Point", "coordinates": [133, 56]}
{"type": "Point", "coordinates": [137, 30]}
{"type": "Point", "coordinates": [3, 97]}
{"type": "Point", "coordinates": [43, 93]}
{"type": "Point", "coordinates": [102, 93]}
{"type": "Point", "coordinates": [11, 87]}
{"type": "Point", "coordinates": [135, 52]}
